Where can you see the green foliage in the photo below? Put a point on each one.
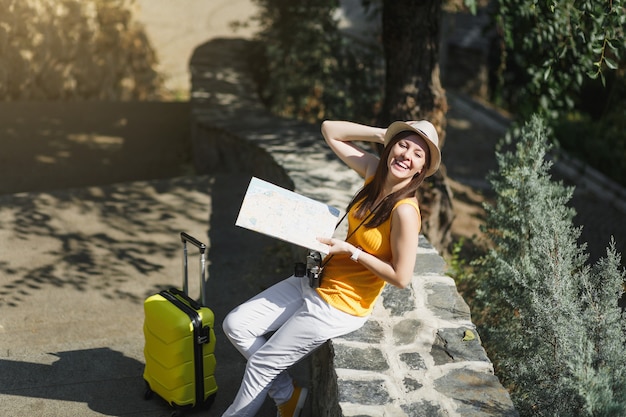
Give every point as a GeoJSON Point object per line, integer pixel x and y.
{"type": "Point", "coordinates": [600, 143]}
{"type": "Point", "coordinates": [463, 271]}
{"type": "Point", "coordinates": [550, 54]}
{"type": "Point", "coordinates": [552, 324]}
{"type": "Point", "coordinates": [456, 263]}
{"type": "Point", "coordinates": [74, 49]}
{"type": "Point", "coordinates": [598, 360]}
{"type": "Point", "coordinates": [551, 47]}
{"type": "Point", "coordinates": [596, 133]}
{"type": "Point", "coordinates": [310, 69]}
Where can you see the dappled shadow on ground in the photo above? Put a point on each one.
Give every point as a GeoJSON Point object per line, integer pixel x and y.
{"type": "Point", "coordinates": [97, 238]}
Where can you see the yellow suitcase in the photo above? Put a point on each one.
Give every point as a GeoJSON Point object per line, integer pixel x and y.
{"type": "Point", "coordinates": [180, 344]}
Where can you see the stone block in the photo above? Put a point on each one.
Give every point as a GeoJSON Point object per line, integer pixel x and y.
{"type": "Point", "coordinates": [411, 384]}
{"type": "Point", "coordinates": [450, 347]}
{"type": "Point", "coordinates": [371, 392]}
{"type": "Point", "coordinates": [413, 360]}
{"type": "Point", "coordinates": [445, 301]}
{"type": "Point", "coordinates": [476, 393]}
{"type": "Point", "coordinates": [366, 359]}
{"type": "Point", "coordinates": [350, 375]}
{"type": "Point", "coordinates": [398, 301]}
{"type": "Point", "coordinates": [371, 332]}
{"type": "Point", "coordinates": [429, 264]}
{"type": "Point", "coordinates": [406, 331]}
{"type": "Point", "coordinates": [424, 409]}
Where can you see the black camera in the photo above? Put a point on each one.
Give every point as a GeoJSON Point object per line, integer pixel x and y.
{"type": "Point", "coordinates": [312, 269]}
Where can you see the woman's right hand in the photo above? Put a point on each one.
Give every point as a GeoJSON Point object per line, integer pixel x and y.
{"type": "Point", "coordinates": [340, 136]}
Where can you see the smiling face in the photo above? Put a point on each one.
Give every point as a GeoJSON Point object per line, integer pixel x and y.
{"type": "Point", "coordinates": [407, 157]}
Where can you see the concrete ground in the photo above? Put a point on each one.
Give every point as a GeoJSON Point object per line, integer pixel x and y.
{"type": "Point", "coordinates": [95, 231]}
{"type": "Point", "coordinates": [75, 268]}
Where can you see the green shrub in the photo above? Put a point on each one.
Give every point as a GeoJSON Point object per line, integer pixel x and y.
{"type": "Point", "coordinates": [309, 69]}
{"type": "Point", "coordinates": [551, 324]}
{"type": "Point", "coordinates": [75, 50]}
{"type": "Point", "coordinates": [596, 134]}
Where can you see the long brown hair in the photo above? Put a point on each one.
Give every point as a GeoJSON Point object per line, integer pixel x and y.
{"type": "Point", "coordinates": [367, 196]}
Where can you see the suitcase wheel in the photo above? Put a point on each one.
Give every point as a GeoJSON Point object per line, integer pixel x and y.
{"type": "Point", "coordinates": [148, 394]}
{"type": "Point", "coordinates": [181, 412]}
{"type": "Point", "coordinates": [209, 401]}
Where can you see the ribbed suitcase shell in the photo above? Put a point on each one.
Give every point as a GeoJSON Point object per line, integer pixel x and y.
{"type": "Point", "coordinates": [179, 347]}
{"type": "Point", "coordinates": [169, 353]}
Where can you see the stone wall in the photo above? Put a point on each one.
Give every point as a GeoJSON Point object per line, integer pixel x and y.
{"type": "Point", "coordinates": [419, 354]}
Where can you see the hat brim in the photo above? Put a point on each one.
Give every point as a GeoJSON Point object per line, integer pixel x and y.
{"type": "Point", "coordinates": [435, 153]}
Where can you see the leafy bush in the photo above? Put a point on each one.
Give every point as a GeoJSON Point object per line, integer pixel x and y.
{"type": "Point", "coordinates": [548, 54]}
{"type": "Point", "coordinates": [551, 324]}
{"type": "Point", "coordinates": [550, 48]}
{"type": "Point", "coordinates": [74, 49]}
{"type": "Point", "coordinates": [601, 144]}
{"type": "Point", "coordinates": [596, 133]}
{"type": "Point", "coordinates": [308, 69]}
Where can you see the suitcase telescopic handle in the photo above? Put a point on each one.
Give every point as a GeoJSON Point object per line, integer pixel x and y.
{"type": "Point", "coordinates": [184, 237]}
{"type": "Point", "coordinates": [188, 238]}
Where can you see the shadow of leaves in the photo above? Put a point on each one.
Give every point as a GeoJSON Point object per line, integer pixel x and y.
{"type": "Point", "coordinates": [96, 238]}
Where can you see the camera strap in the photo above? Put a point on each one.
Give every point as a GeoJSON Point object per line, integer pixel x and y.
{"type": "Point", "coordinates": [371, 213]}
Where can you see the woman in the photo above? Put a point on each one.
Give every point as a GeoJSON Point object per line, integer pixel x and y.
{"type": "Point", "coordinates": [383, 228]}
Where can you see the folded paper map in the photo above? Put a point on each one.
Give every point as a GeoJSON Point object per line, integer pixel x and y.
{"type": "Point", "coordinates": [285, 215]}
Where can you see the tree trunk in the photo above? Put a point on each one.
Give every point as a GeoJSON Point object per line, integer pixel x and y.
{"type": "Point", "coordinates": [410, 36]}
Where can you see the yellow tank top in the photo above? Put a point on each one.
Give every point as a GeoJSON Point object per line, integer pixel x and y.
{"type": "Point", "coordinates": [348, 285]}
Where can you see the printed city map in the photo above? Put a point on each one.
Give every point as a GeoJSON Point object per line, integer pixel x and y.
{"type": "Point", "coordinates": [285, 215]}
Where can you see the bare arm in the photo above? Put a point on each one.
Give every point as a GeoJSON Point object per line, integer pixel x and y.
{"type": "Point", "coordinates": [405, 226]}
{"type": "Point", "coordinates": [340, 134]}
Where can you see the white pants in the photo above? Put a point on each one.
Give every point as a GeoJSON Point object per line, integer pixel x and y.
{"type": "Point", "coordinates": [301, 320]}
